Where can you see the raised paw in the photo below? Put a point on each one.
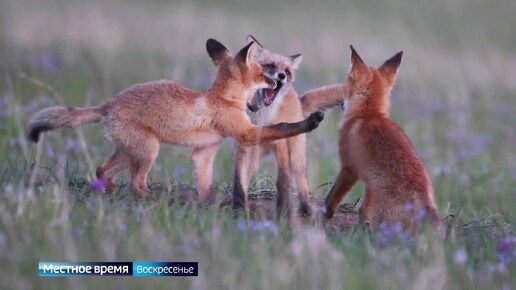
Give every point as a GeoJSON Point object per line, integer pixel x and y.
{"type": "Point", "coordinates": [314, 119]}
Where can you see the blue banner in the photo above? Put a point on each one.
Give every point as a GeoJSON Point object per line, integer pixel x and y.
{"type": "Point", "coordinates": [142, 269]}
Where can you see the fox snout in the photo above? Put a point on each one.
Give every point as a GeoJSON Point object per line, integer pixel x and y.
{"type": "Point", "coordinates": [280, 76]}
{"type": "Point", "coordinates": [271, 83]}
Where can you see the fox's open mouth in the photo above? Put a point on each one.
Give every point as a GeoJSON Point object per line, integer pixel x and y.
{"type": "Point", "coordinates": [270, 94]}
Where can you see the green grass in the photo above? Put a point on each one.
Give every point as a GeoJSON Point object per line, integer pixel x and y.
{"type": "Point", "coordinates": [454, 97]}
{"type": "Point", "coordinates": [65, 222]}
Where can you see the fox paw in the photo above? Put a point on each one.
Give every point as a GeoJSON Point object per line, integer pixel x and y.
{"type": "Point", "coordinates": [314, 119]}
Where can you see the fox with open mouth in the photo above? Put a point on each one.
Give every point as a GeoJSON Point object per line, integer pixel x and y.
{"type": "Point", "coordinates": [280, 69]}
{"type": "Point", "coordinates": [269, 106]}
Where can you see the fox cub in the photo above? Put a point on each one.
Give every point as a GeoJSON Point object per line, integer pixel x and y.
{"type": "Point", "coordinates": [143, 115]}
{"type": "Point", "coordinates": [375, 150]}
{"type": "Point", "coordinates": [268, 107]}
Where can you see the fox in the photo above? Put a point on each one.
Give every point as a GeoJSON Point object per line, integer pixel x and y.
{"type": "Point", "coordinates": [144, 115]}
{"type": "Point", "coordinates": [374, 149]}
{"type": "Point", "coordinates": [271, 105]}
{"type": "Point", "coordinates": [281, 104]}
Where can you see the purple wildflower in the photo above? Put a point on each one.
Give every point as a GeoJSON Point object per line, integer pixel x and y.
{"type": "Point", "coordinates": [241, 225]}
{"type": "Point", "coordinates": [98, 185]}
{"type": "Point", "coordinates": [50, 64]}
{"type": "Point", "coordinates": [178, 171]}
{"type": "Point", "coordinates": [420, 214]}
{"type": "Point", "coordinates": [265, 226]}
{"type": "Point", "coordinates": [460, 257]}
{"type": "Point", "coordinates": [390, 233]}
{"type": "Point", "coordinates": [121, 227]}
{"type": "Point", "coordinates": [506, 250]}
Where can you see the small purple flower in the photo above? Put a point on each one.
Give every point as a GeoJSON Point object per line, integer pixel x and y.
{"type": "Point", "coordinates": [460, 257]}
{"type": "Point", "coordinates": [122, 227]}
{"type": "Point", "coordinates": [389, 233]}
{"type": "Point", "coordinates": [506, 250]}
{"type": "Point", "coordinates": [241, 226]}
{"type": "Point", "coordinates": [258, 227]}
{"type": "Point", "coordinates": [50, 64]}
{"type": "Point", "coordinates": [178, 171]}
{"type": "Point", "coordinates": [421, 213]}
{"type": "Point", "coordinates": [408, 206]}
{"type": "Point", "coordinates": [98, 185]}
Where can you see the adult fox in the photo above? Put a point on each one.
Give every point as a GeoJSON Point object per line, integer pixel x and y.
{"type": "Point", "coordinates": [143, 115]}
{"type": "Point", "coordinates": [376, 150]}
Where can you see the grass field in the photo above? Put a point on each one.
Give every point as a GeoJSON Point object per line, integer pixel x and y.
{"type": "Point", "coordinates": [455, 97]}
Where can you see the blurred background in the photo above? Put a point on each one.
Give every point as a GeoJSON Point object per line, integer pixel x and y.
{"type": "Point", "coordinates": [455, 94]}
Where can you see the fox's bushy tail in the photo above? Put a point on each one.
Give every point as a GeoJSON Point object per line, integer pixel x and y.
{"type": "Point", "coordinates": [322, 98]}
{"type": "Point", "coordinates": [61, 117]}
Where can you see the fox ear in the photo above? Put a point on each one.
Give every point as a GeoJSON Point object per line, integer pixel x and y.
{"type": "Point", "coordinates": [356, 61]}
{"type": "Point", "coordinates": [296, 60]}
{"type": "Point", "coordinates": [259, 46]}
{"type": "Point", "coordinates": [217, 51]}
{"type": "Point", "coordinates": [390, 67]}
{"type": "Point", "coordinates": [251, 38]}
{"type": "Point", "coordinates": [246, 54]}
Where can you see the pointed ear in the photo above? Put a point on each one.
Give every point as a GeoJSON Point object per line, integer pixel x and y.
{"type": "Point", "coordinates": [356, 60]}
{"type": "Point", "coordinates": [296, 60]}
{"type": "Point", "coordinates": [246, 54]}
{"type": "Point", "coordinates": [259, 46]}
{"type": "Point", "coordinates": [390, 67]}
{"type": "Point", "coordinates": [217, 51]}
{"type": "Point", "coordinates": [251, 38]}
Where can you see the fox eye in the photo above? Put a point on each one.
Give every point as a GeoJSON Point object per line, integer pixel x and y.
{"type": "Point", "coordinates": [269, 66]}
{"type": "Point", "coordinates": [288, 73]}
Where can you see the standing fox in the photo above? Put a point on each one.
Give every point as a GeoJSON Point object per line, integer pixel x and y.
{"type": "Point", "coordinates": [142, 116]}
{"type": "Point", "coordinates": [269, 106]}
{"type": "Point", "coordinates": [281, 104]}
{"type": "Point", "coordinates": [377, 151]}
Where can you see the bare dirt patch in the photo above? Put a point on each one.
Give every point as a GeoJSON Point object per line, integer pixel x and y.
{"type": "Point", "coordinates": [262, 206]}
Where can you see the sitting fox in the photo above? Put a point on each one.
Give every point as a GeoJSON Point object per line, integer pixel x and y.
{"type": "Point", "coordinates": [375, 150]}
{"type": "Point", "coordinates": [139, 118]}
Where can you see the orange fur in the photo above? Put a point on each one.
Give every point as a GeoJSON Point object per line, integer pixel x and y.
{"type": "Point", "coordinates": [290, 153]}
{"type": "Point", "coordinates": [375, 150]}
{"type": "Point", "coordinates": [139, 118]}
{"type": "Point", "coordinates": [322, 98]}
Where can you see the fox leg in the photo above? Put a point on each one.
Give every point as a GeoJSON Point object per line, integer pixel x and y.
{"type": "Point", "coordinates": [245, 163]}
{"type": "Point", "coordinates": [366, 211]}
{"type": "Point", "coordinates": [107, 172]}
{"type": "Point", "coordinates": [340, 188]}
{"type": "Point", "coordinates": [248, 134]}
{"type": "Point", "coordinates": [202, 159]}
{"type": "Point", "coordinates": [141, 160]}
{"type": "Point", "coordinates": [280, 149]}
{"type": "Point", "coordinates": [435, 218]}
{"type": "Point", "coordinates": [297, 155]}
